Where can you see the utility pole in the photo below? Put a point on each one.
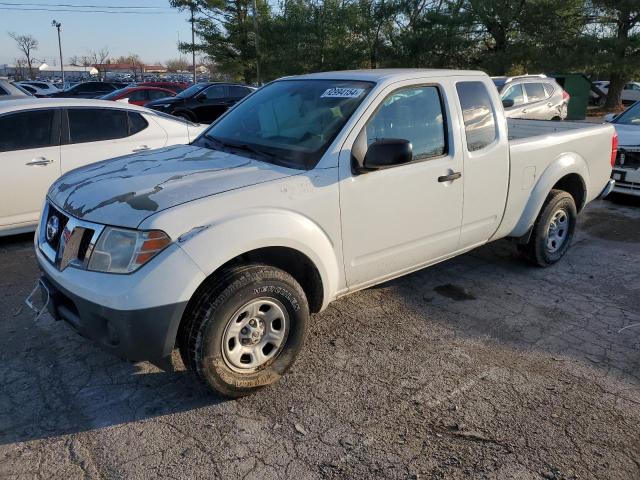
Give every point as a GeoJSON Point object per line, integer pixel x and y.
{"type": "Point", "coordinates": [57, 25]}
{"type": "Point", "coordinates": [193, 42]}
{"type": "Point", "coordinates": [255, 27]}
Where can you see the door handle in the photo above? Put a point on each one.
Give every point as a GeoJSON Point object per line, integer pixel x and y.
{"type": "Point", "coordinates": [524, 111]}
{"type": "Point", "coordinates": [141, 148]}
{"type": "Point", "coordinates": [39, 161]}
{"type": "Point", "coordinates": [449, 178]}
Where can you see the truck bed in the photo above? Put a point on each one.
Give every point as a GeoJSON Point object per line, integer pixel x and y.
{"type": "Point", "coordinates": [520, 129]}
{"type": "Point", "coordinates": [534, 148]}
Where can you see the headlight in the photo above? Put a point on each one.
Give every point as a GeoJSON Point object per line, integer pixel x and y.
{"type": "Point", "coordinates": [161, 105]}
{"type": "Point", "coordinates": [120, 250]}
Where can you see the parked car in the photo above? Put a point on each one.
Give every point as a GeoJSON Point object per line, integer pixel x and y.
{"type": "Point", "coordinates": [138, 95]}
{"type": "Point", "coordinates": [88, 90]}
{"type": "Point", "coordinates": [534, 97]}
{"type": "Point", "coordinates": [176, 87]}
{"type": "Point", "coordinates": [626, 171]}
{"type": "Point", "coordinates": [312, 188]}
{"type": "Point", "coordinates": [12, 91]}
{"type": "Point", "coordinates": [42, 139]}
{"type": "Point", "coordinates": [39, 88]}
{"type": "Point", "coordinates": [202, 102]}
{"type": "Point", "coordinates": [630, 92]}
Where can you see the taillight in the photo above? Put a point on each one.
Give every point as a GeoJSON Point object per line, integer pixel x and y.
{"type": "Point", "coordinates": [614, 148]}
{"type": "Point", "coordinates": [565, 96]}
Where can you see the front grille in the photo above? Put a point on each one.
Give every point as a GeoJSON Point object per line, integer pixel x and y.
{"type": "Point", "coordinates": [628, 158]}
{"type": "Point", "coordinates": [63, 219]}
{"type": "Point", "coordinates": [73, 243]}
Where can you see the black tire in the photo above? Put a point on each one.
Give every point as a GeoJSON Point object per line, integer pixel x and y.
{"type": "Point", "coordinates": [213, 309]}
{"type": "Point", "coordinates": [538, 250]}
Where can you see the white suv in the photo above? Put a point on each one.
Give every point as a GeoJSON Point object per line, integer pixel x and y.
{"type": "Point", "coordinates": [534, 97]}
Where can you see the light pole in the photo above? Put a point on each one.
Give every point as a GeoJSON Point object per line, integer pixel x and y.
{"type": "Point", "coordinates": [255, 27]}
{"type": "Point", "coordinates": [57, 25]}
{"type": "Point", "coordinates": [193, 43]}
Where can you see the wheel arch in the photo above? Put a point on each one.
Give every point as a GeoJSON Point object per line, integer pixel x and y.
{"type": "Point", "coordinates": [568, 172]}
{"type": "Point", "coordinates": [286, 240]}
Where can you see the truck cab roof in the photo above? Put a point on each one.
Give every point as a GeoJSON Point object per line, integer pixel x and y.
{"type": "Point", "coordinates": [387, 75]}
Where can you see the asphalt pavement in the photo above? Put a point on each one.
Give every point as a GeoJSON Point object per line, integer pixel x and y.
{"type": "Point", "coordinates": [479, 367]}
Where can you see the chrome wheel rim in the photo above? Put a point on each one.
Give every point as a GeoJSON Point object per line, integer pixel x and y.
{"type": "Point", "coordinates": [255, 335]}
{"type": "Point", "coordinates": [558, 231]}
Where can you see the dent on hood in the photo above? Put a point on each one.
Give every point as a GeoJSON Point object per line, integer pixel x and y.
{"type": "Point", "coordinates": [171, 164]}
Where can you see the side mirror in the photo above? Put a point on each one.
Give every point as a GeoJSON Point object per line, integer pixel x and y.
{"type": "Point", "coordinates": [508, 102]}
{"type": "Point", "coordinates": [201, 97]}
{"type": "Point", "coordinates": [386, 153]}
{"type": "Point", "coordinates": [609, 117]}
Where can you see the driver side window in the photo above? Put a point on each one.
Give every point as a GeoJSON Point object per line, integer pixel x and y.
{"type": "Point", "coordinates": [516, 94]}
{"type": "Point", "coordinates": [413, 114]}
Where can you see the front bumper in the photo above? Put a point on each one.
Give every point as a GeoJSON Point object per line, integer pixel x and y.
{"type": "Point", "coordinates": [135, 316]}
{"type": "Point", "coordinates": [143, 334]}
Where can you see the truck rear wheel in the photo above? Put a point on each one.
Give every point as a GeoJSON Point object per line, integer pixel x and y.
{"type": "Point", "coordinates": [553, 230]}
{"type": "Point", "coordinates": [245, 329]}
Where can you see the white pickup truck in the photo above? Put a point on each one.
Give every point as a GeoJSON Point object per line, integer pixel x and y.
{"type": "Point", "coordinates": [311, 188]}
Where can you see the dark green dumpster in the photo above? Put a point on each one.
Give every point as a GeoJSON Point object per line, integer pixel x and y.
{"type": "Point", "coordinates": [578, 86]}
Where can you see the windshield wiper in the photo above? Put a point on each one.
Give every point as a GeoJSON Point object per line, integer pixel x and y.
{"type": "Point", "coordinates": [240, 146]}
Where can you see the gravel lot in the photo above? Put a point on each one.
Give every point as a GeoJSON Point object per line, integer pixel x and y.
{"type": "Point", "coordinates": [480, 367]}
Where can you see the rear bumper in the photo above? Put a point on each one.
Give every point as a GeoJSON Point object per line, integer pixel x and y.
{"type": "Point", "coordinates": [627, 180]}
{"type": "Point", "coordinates": [608, 188]}
{"type": "Point", "coordinates": [142, 334]}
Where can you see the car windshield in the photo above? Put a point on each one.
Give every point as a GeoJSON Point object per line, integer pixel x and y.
{"type": "Point", "coordinates": [291, 122]}
{"type": "Point", "coordinates": [631, 116]}
{"type": "Point", "coordinates": [114, 94]}
{"type": "Point", "coordinates": [192, 90]}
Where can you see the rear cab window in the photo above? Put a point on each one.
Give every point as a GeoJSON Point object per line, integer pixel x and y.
{"type": "Point", "coordinates": [478, 114]}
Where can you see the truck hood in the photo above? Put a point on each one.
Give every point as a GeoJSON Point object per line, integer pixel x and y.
{"type": "Point", "coordinates": [124, 191]}
{"type": "Point", "coordinates": [628, 135]}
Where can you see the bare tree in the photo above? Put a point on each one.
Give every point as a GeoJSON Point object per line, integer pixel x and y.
{"type": "Point", "coordinates": [177, 65]}
{"type": "Point", "coordinates": [21, 67]}
{"type": "Point", "coordinates": [99, 59]}
{"type": "Point", "coordinates": [27, 44]}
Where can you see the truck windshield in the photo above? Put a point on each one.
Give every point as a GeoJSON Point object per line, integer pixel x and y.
{"type": "Point", "coordinates": [631, 116]}
{"type": "Point", "coordinates": [289, 122]}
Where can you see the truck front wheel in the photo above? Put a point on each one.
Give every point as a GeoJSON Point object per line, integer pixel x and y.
{"type": "Point", "coordinates": [244, 330]}
{"type": "Point", "coordinates": [553, 230]}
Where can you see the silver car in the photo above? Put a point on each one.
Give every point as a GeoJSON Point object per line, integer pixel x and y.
{"type": "Point", "coordinates": [535, 97]}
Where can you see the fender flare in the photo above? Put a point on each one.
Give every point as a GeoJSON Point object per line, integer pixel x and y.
{"type": "Point", "coordinates": [565, 164]}
{"type": "Point", "coordinates": [278, 228]}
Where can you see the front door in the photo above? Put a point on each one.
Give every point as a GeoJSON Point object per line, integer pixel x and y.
{"type": "Point", "coordinates": [516, 93]}
{"type": "Point", "coordinates": [398, 219]}
{"type": "Point", "coordinates": [29, 163]}
{"type": "Point", "coordinates": [211, 103]}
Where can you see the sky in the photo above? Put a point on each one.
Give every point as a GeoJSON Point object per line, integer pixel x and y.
{"type": "Point", "coordinates": [152, 32]}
